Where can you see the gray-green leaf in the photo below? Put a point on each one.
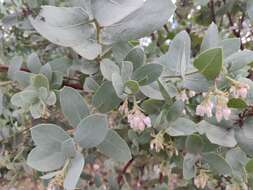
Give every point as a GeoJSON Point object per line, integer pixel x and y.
{"type": "Point", "coordinates": [74, 172]}
{"type": "Point", "coordinates": [211, 38]}
{"type": "Point", "coordinates": [49, 135]}
{"type": "Point", "coordinates": [45, 160]}
{"type": "Point", "coordinates": [91, 131]}
{"type": "Point", "coordinates": [181, 127]}
{"type": "Point", "coordinates": [148, 73]}
{"type": "Point", "coordinates": [105, 98]}
{"type": "Point", "coordinates": [72, 23]}
{"type": "Point", "coordinates": [178, 58]}
{"type": "Point", "coordinates": [115, 147]}
{"type": "Point", "coordinates": [73, 106]}
{"type": "Point", "coordinates": [217, 163]}
{"type": "Point", "coordinates": [151, 16]}
{"type": "Point", "coordinates": [108, 67]}
{"type": "Point", "coordinates": [33, 63]}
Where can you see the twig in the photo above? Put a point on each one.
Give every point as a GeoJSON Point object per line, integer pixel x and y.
{"type": "Point", "coordinates": [161, 178]}
{"type": "Point", "coordinates": [237, 33]}
{"type": "Point", "coordinates": [179, 76]}
{"type": "Point", "coordinates": [240, 28]}
{"type": "Point", "coordinates": [212, 11]}
{"type": "Point", "coordinates": [78, 86]}
{"type": "Point", "coordinates": [123, 172]}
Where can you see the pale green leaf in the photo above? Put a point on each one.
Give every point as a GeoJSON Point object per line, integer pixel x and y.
{"type": "Point", "coordinates": [209, 63]}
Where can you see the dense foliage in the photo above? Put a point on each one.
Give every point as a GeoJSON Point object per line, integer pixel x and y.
{"type": "Point", "coordinates": [127, 94]}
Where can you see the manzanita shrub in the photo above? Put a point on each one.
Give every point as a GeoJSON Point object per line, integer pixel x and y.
{"type": "Point", "coordinates": [159, 92]}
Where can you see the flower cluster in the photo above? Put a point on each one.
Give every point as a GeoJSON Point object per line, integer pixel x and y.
{"type": "Point", "coordinates": [221, 108]}
{"type": "Point", "coordinates": [240, 90]}
{"type": "Point", "coordinates": [184, 96]}
{"type": "Point", "coordinates": [137, 120]}
{"type": "Point", "coordinates": [205, 108]}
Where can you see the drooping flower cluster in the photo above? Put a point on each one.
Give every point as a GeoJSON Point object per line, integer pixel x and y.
{"type": "Point", "coordinates": [240, 90]}
{"type": "Point", "coordinates": [222, 110]}
{"type": "Point", "coordinates": [137, 120]}
{"type": "Point", "coordinates": [205, 108]}
{"type": "Point", "coordinates": [184, 96]}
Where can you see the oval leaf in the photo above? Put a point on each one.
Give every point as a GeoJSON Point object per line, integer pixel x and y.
{"type": "Point", "coordinates": [147, 74]}
{"type": "Point", "coordinates": [45, 160]}
{"type": "Point", "coordinates": [105, 98]}
{"type": "Point", "coordinates": [115, 147]}
{"type": "Point", "coordinates": [74, 172]}
{"type": "Point", "coordinates": [91, 131]}
{"type": "Point", "coordinates": [209, 63]}
{"type": "Point", "coordinates": [217, 163]}
{"type": "Point", "coordinates": [73, 106]}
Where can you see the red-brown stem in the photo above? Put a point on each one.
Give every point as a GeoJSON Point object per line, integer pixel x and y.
{"type": "Point", "coordinates": [78, 86]}
{"type": "Point", "coordinates": [122, 173]}
{"type": "Point", "coordinates": [161, 178]}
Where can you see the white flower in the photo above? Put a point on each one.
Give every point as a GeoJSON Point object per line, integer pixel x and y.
{"type": "Point", "coordinates": [205, 108]}
{"type": "Point", "coordinates": [240, 90]}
